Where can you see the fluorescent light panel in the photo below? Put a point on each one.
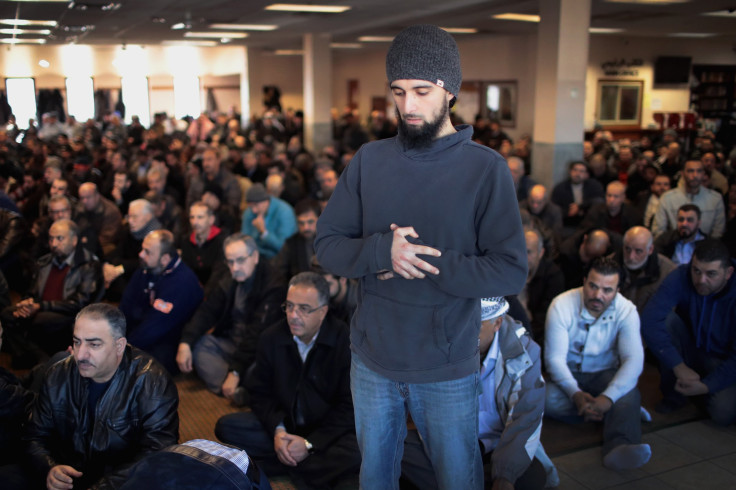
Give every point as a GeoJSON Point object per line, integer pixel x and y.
{"type": "Point", "coordinates": [346, 45]}
{"type": "Point", "coordinates": [245, 27]}
{"type": "Point", "coordinates": [191, 43]}
{"type": "Point", "coordinates": [288, 52]}
{"type": "Point", "coordinates": [604, 30]}
{"type": "Point", "coordinates": [375, 39]}
{"type": "Point", "coordinates": [26, 22]}
{"type": "Point", "coordinates": [293, 7]}
{"type": "Point", "coordinates": [650, 2]}
{"type": "Point", "coordinates": [693, 35]}
{"type": "Point", "coordinates": [38, 32]}
{"type": "Point", "coordinates": [721, 13]}
{"type": "Point", "coordinates": [16, 40]}
{"type": "Point", "coordinates": [519, 17]}
{"type": "Point", "coordinates": [459, 30]}
{"type": "Point", "coordinates": [231, 35]}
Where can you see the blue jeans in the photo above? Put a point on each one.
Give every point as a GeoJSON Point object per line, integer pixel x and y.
{"type": "Point", "coordinates": [445, 414]}
{"type": "Point", "coordinates": [621, 424]}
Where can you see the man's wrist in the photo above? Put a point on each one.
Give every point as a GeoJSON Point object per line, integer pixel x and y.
{"type": "Point", "coordinates": [309, 446]}
{"type": "Point", "coordinates": [235, 373]}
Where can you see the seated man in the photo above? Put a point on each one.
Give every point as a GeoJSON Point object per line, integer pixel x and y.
{"type": "Point", "coordinates": [302, 421]}
{"type": "Point", "coordinates": [269, 220]}
{"type": "Point", "coordinates": [239, 306]}
{"type": "Point", "coordinates": [202, 250]}
{"type": "Point", "coordinates": [578, 251]}
{"type": "Point", "coordinates": [544, 282]}
{"type": "Point", "coordinates": [659, 186]}
{"type": "Point", "coordinates": [690, 189]}
{"type": "Point", "coordinates": [343, 292]}
{"type": "Point", "coordinates": [575, 195]}
{"type": "Point", "coordinates": [160, 298]}
{"type": "Point", "coordinates": [695, 342]}
{"type": "Point", "coordinates": [120, 265]}
{"type": "Point", "coordinates": [594, 356]}
{"type": "Point", "coordinates": [66, 280]}
{"type": "Point", "coordinates": [101, 409]}
{"type": "Point", "coordinates": [614, 215]}
{"type": "Point", "coordinates": [523, 183]}
{"type": "Point", "coordinates": [101, 214]}
{"type": "Point", "coordinates": [678, 244]}
{"type": "Point", "coordinates": [539, 205]}
{"type": "Point", "coordinates": [296, 254]}
{"type": "Point", "coordinates": [509, 441]}
{"type": "Point", "coordinates": [643, 269]}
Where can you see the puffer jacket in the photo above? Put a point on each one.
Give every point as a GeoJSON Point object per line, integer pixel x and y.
{"type": "Point", "coordinates": [136, 415]}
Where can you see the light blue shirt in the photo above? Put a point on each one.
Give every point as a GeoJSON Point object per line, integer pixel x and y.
{"type": "Point", "coordinates": [280, 223]}
{"type": "Point", "coordinates": [490, 425]}
{"type": "Point", "coordinates": [305, 348]}
{"type": "Point", "coordinates": [684, 251]}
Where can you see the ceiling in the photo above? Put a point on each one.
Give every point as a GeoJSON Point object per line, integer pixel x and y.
{"type": "Point", "coordinates": [150, 21]}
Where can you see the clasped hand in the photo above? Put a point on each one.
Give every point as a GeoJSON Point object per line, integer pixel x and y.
{"type": "Point", "coordinates": [404, 254]}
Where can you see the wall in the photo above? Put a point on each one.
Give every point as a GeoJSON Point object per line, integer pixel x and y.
{"type": "Point", "coordinates": [669, 98]}
{"type": "Point", "coordinates": [284, 71]}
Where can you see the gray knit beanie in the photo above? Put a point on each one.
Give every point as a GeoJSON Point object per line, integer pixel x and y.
{"type": "Point", "coordinates": [425, 52]}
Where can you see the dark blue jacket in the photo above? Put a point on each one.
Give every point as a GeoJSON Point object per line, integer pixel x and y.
{"type": "Point", "coordinates": [156, 309]}
{"type": "Point", "coordinates": [711, 320]}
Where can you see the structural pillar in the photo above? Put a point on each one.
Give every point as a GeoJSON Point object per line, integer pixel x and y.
{"type": "Point", "coordinates": [317, 91]}
{"type": "Point", "coordinates": [245, 91]}
{"type": "Point", "coordinates": [559, 102]}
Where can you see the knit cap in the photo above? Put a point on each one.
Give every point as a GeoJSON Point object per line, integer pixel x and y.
{"type": "Point", "coordinates": [491, 308]}
{"type": "Point", "coordinates": [425, 52]}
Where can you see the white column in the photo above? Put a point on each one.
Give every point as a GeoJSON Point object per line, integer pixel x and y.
{"type": "Point", "coordinates": [562, 59]}
{"type": "Point", "coordinates": [317, 91]}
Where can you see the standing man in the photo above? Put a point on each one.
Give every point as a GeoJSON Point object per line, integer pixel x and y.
{"type": "Point", "coordinates": [429, 222]}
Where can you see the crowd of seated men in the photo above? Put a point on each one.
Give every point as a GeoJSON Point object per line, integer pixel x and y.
{"type": "Point", "coordinates": [202, 232]}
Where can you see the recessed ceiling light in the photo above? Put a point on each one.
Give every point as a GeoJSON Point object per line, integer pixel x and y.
{"type": "Point", "coordinates": [190, 43]}
{"type": "Point", "coordinates": [38, 32]}
{"type": "Point", "coordinates": [604, 30]}
{"type": "Point", "coordinates": [232, 35]}
{"type": "Point", "coordinates": [650, 2]}
{"type": "Point", "coordinates": [375, 39]}
{"type": "Point", "coordinates": [722, 13]}
{"type": "Point", "coordinates": [459, 30]}
{"type": "Point", "coordinates": [520, 17]}
{"type": "Point", "coordinates": [288, 52]}
{"type": "Point", "coordinates": [697, 35]}
{"type": "Point", "coordinates": [43, 63]}
{"type": "Point", "coordinates": [346, 45]}
{"type": "Point", "coordinates": [225, 40]}
{"type": "Point", "coordinates": [25, 22]}
{"type": "Point", "coordinates": [245, 27]}
{"type": "Point", "coordinates": [181, 25]}
{"type": "Point", "coordinates": [293, 7]}
{"type": "Point", "coordinates": [16, 40]}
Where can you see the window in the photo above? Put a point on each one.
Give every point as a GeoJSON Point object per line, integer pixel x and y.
{"type": "Point", "coordinates": [619, 102]}
{"type": "Point", "coordinates": [22, 99]}
{"type": "Point", "coordinates": [186, 97]}
{"type": "Point", "coordinates": [80, 98]}
{"type": "Point", "coordinates": [135, 98]}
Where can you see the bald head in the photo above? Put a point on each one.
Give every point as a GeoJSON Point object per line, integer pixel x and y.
{"type": "Point", "coordinates": [615, 195]}
{"type": "Point", "coordinates": [537, 199]}
{"type": "Point", "coordinates": [638, 246]}
{"type": "Point", "coordinates": [89, 196]}
{"type": "Point", "coordinates": [595, 244]}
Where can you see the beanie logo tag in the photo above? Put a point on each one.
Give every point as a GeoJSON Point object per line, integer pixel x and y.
{"type": "Point", "coordinates": [440, 83]}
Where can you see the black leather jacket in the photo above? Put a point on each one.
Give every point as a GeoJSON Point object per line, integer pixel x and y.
{"type": "Point", "coordinates": [135, 416]}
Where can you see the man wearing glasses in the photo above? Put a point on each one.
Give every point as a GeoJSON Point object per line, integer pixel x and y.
{"type": "Point", "coordinates": [240, 304]}
{"type": "Point", "coordinates": [302, 421]}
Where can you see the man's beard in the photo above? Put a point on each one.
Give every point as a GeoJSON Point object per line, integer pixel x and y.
{"type": "Point", "coordinates": [685, 233]}
{"type": "Point", "coordinates": [418, 137]}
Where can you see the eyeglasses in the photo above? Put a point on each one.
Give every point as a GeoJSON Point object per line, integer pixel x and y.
{"type": "Point", "coordinates": [288, 307]}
